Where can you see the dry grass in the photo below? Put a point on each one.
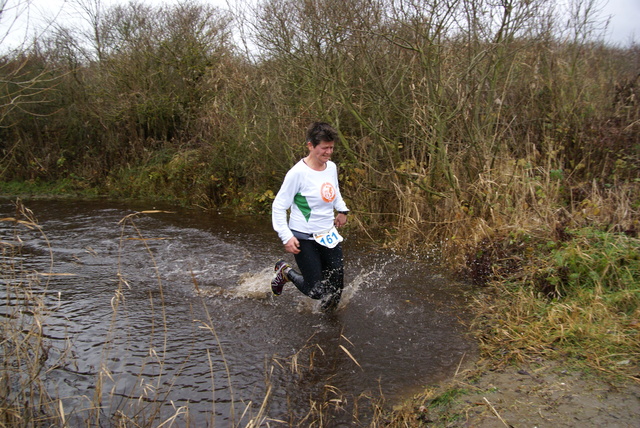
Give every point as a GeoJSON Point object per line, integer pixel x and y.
{"type": "Point", "coordinates": [28, 358]}
{"type": "Point", "coordinates": [26, 354]}
{"type": "Point", "coordinates": [580, 301]}
{"type": "Point", "coordinates": [558, 280]}
{"type": "Point", "coordinates": [366, 409]}
{"type": "Point", "coordinates": [557, 262]}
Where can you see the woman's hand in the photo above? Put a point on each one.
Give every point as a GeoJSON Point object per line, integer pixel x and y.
{"type": "Point", "coordinates": [340, 220]}
{"type": "Point", "coordinates": [292, 246]}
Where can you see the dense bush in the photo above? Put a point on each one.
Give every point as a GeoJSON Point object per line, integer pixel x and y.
{"type": "Point", "coordinates": [478, 119]}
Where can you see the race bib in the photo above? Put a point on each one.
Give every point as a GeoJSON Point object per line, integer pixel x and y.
{"type": "Point", "coordinates": [329, 238]}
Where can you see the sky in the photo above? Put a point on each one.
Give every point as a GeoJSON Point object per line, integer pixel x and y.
{"type": "Point", "coordinates": [624, 15]}
{"type": "Point", "coordinates": [625, 21]}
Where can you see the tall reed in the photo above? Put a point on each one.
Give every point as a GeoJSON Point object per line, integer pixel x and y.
{"type": "Point", "coordinates": [30, 360]}
{"type": "Point", "coordinates": [27, 356]}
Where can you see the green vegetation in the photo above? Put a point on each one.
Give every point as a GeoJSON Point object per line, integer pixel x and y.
{"type": "Point", "coordinates": [580, 298]}
{"type": "Point", "coordinates": [575, 299]}
{"type": "Point", "coordinates": [60, 188]}
{"type": "Point", "coordinates": [503, 138]}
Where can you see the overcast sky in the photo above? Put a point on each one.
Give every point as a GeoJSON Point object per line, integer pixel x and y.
{"type": "Point", "coordinates": [625, 20]}
{"type": "Point", "coordinates": [624, 26]}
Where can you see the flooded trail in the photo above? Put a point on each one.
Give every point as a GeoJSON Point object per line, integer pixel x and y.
{"type": "Point", "coordinates": [175, 308]}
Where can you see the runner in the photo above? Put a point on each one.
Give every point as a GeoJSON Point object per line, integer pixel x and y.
{"type": "Point", "coordinates": [310, 190]}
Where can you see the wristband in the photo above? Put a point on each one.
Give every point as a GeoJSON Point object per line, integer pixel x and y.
{"type": "Point", "coordinates": [343, 212]}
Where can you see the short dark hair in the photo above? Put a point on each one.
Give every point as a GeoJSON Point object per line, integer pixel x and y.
{"type": "Point", "coordinates": [321, 131]}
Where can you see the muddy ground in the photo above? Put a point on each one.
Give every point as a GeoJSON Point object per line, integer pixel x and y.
{"type": "Point", "coordinates": [546, 394]}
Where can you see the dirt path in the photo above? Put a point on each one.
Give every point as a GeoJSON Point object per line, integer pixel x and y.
{"type": "Point", "coordinates": [544, 395]}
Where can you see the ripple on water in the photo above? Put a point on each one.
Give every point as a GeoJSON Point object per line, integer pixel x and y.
{"type": "Point", "coordinates": [185, 315]}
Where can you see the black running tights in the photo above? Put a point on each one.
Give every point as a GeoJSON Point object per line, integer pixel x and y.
{"type": "Point", "coordinates": [321, 267]}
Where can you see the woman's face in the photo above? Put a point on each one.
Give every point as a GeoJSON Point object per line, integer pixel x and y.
{"type": "Point", "coordinates": [322, 152]}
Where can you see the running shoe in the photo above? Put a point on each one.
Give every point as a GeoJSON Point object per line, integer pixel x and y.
{"type": "Point", "coordinates": [330, 302]}
{"type": "Point", "coordinates": [281, 278]}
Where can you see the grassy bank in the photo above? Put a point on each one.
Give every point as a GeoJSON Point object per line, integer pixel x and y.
{"type": "Point", "coordinates": [562, 328]}
{"type": "Point", "coordinates": [38, 188]}
{"type": "Point", "coordinates": [579, 300]}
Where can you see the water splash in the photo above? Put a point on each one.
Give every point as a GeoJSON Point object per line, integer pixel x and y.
{"type": "Point", "coordinates": [254, 285]}
{"type": "Point", "coordinates": [257, 285]}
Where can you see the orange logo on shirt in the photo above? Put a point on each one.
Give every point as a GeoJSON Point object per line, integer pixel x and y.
{"type": "Point", "coordinates": [328, 192]}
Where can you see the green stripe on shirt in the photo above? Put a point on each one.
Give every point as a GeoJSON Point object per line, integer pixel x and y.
{"type": "Point", "coordinates": [303, 205]}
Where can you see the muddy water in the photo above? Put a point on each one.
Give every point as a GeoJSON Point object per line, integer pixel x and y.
{"type": "Point", "coordinates": [173, 309]}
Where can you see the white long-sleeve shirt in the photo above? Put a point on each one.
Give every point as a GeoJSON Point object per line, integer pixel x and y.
{"type": "Point", "coordinates": [312, 197]}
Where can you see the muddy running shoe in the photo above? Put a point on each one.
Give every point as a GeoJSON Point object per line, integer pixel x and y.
{"type": "Point", "coordinates": [281, 278]}
{"type": "Point", "coordinates": [331, 301]}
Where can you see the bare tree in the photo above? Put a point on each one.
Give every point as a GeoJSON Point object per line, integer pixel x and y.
{"type": "Point", "coordinates": [14, 22]}
{"type": "Point", "coordinates": [21, 86]}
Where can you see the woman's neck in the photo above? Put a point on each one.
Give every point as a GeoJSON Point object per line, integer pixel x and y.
{"type": "Point", "coordinates": [313, 164]}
